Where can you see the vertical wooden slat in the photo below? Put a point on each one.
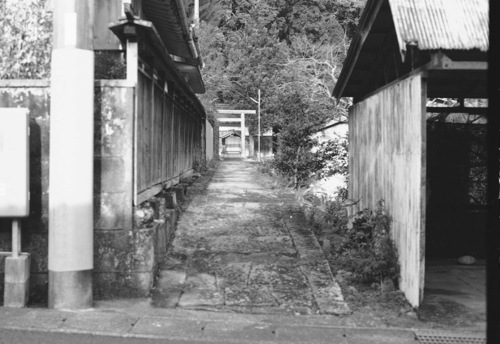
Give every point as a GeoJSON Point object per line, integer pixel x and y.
{"type": "Point", "coordinates": [164, 146]}
{"type": "Point", "coordinates": [170, 132]}
{"type": "Point", "coordinates": [176, 140]}
{"type": "Point", "coordinates": [387, 160]}
{"type": "Point", "coordinates": [158, 135]}
{"type": "Point", "coordinates": [140, 132]}
{"type": "Point", "coordinates": [168, 135]}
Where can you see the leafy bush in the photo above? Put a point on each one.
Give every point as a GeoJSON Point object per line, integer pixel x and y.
{"type": "Point", "coordinates": [300, 157]}
{"type": "Point", "coordinates": [322, 211]}
{"type": "Point", "coordinates": [369, 251]}
{"type": "Point", "coordinates": [266, 167]}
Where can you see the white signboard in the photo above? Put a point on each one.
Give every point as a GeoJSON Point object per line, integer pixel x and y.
{"type": "Point", "coordinates": [14, 162]}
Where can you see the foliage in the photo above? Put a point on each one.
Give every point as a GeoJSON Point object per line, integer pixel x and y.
{"type": "Point", "coordinates": [279, 47]}
{"type": "Point", "coordinates": [339, 165]}
{"type": "Point", "coordinates": [301, 157]}
{"type": "Point", "coordinates": [26, 40]}
{"type": "Point", "coordinates": [369, 252]}
{"type": "Point", "coordinates": [110, 65]}
{"type": "Point", "coordinates": [323, 212]}
{"type": "Point", "coordinates": [348, 13]}
{"type": "Point", "coordinates": [366, 251]}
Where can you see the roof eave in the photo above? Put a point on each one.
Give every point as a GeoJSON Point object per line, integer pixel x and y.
{"type": "Point", "coordinates": [147, 27]}
{"type": "Point", "coordinates": [368, 16]}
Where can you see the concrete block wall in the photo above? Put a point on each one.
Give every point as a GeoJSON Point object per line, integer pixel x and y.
{"type": "Point", "coordinates": [113, 190]}
{"type": "Point", "coordinates": [126, 249]}
{"type": "Point", "coordinates": [128, 241]}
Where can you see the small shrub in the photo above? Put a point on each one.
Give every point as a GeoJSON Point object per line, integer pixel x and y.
{"type": "Point", "coordinates": [266, 167]}
{"type": "Point", "coordinates": [369, 251]}
{"type": "Point", "coordinates": [322, 211]}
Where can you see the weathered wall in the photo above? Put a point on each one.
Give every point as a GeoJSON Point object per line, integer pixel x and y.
{"type": "Point", "coordinates": [209, 141]}
{"type": "Point", "coordinates": [115, 243]}
{"type": "Point", "coordinates": [216, 139]}
{"type": "Point", "coordinates": [387, 134]}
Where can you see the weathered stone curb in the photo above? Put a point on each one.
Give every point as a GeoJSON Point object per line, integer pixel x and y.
{"type": "Point", "coordinates": [202, 327]}
{"type": "Point", "coordinates": [328, 295]}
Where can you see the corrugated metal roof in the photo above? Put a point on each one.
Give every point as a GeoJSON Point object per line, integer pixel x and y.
{"type": "Point", "coordinates": [170, 21]}
{"type": "Point", "coordinates": [458, 28]}
{"type": "Point", "coordinates": [441, 24]}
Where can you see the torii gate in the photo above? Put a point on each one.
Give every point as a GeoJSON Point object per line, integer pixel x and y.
{"type": "Point", "coordinates": [242, 114]}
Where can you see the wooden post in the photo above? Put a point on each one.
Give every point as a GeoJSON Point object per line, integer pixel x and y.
{"type": "Point", "coordinates": [251, 144]}
{"type": "Point", "coordinates": [132, 59]}
{"type": "Point", "coordinates": [243, 135]}
{"type": "Point", "coordinates": [196, 14]}
{"type": "Point", "coordinates": [258, 119]}
{"type": "Point", "coordinates": [71, 222]}
{"type": "Point", "coordinates": [16, 239]}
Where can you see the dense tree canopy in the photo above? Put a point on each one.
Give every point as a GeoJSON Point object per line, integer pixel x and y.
{"type": "Point", "coordinates": [26, 39]}
{"type": "Point", "coordinates": [292, 50]}
{"type": "Point", "coordinates": [281, 47]}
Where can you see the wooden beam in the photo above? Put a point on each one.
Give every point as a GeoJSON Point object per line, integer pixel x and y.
{"type": "Point", "coordinates": [229, 119]}
{"type": "Point", "coordinates": [458, 109]}
{"type": "Point", "coordinates": [24, 83]}
{"type": "Point", "coordinates": [237, 112]}
{"type": "Point", "coordinates": [422, 70]}
{"type": "Point", "coordinates": [439, 60]}
{"type": "Point", "coordinates": [111, 83]}
{"type": "Point", "coordinates": [132, 60]}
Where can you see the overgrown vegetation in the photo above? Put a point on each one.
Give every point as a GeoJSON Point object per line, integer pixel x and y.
{"type": "Point", "coordinates": [359, 244]}
{"type": "Point", "coordinates": [359, 249]}
{"type": "Point", "coordinates": [301, 157]}
{"type": "Point", "coordinates": [369, 251]}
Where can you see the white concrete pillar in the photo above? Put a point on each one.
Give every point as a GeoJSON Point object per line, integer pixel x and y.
{"type": "Point", "coordinates": [71, 222]}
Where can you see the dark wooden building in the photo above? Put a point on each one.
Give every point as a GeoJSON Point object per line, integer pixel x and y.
{"type": "Point", "coordinates": [427, 162]}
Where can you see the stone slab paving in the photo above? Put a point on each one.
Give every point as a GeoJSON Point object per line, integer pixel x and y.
{"type": "Point", "coordinates": [241, 246]}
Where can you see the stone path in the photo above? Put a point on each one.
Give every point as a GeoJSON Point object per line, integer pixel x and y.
{"type": "Point", "coordinates": [242, 246]}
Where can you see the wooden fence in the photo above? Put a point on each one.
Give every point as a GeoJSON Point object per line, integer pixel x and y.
{"type": "Point", "coordinates": [387, 134]}
{"type": "Point", "coordinates": [168, 136]}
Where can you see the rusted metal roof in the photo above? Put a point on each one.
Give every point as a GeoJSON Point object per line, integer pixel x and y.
{"type": "Point", "coordinates": [441, 24]}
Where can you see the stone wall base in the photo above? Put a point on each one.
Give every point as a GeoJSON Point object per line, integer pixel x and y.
{"type": "Point", "coordinates": [126, 262]}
